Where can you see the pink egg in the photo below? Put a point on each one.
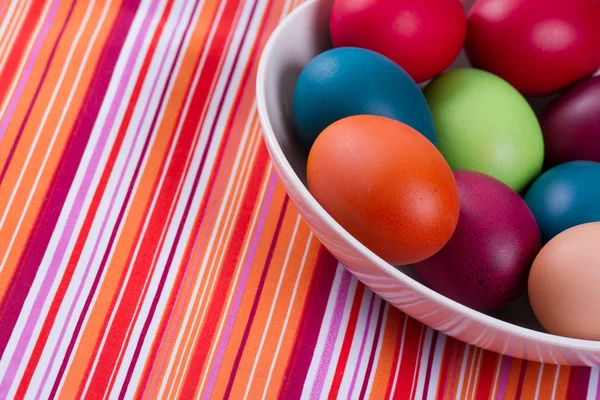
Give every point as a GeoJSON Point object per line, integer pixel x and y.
{"type": "Point", "coordinates": [486, 262]}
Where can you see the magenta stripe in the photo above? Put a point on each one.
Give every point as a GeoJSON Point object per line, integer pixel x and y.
{"type": "Point", "coordinates": [334, 328]}
{"type": "Point", "coordinates": [506, 360]}
{"type": "Point", "coordinates": [242, 284]}
{"type": "Point", "coordinates": [430, 363]}
{"type": "Point", "coordinates": [28, 68]}
{"type": "Point", "coordinates": [376, 338]}
{"type": "Point", "coordinates": [362, 345]}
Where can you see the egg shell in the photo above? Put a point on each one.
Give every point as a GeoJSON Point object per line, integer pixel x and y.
{"type": "Point", "coordinates": [483, 124]}
{"type": "Point", "coordinates": [565, 196]}
{"type": "Point", "coordinates": [387, 185]}
{"type": "Point", "coordinates": [422, 36]}
{"type": "Point", "coordinates": [571, 125]}
{"type": "Point", "coordinates": [485, 264]}
{"type": "Point", "coordinates": [564, 281]}
{"type": "Point", "coordinates": [349, 81]}
{"type": "Point", "coordinates": [539, 46]}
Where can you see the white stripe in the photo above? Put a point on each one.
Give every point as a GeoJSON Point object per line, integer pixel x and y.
{"type": "Point", "coordinates": [476, 354]}
{"type": "Point", "coordinates": [423, 364]}
{"type": "Point", "coordinates": [497, 375]}
{"type": "Point", "coordinates": [400, 353]}
{"type": "Point", "coordinates": [323, 333]}
{"type": "Point", "coordinates": [539, 381]}
{"type": "Point", "coordinates": [556, 375]}
{"type": "Point", "coordinates": [339, 342]}
{"type": "Point", "coordinates": [364, 361]}
{"type": "Point", "coordinates": [419, 353]}
{"type": "Point", "coordinates": [462, 371]}
{"type": "Point", "coordinates": [477, 370]}
{"type": "Point", "coordinates": [435, 367]}
{"type": "Point", "coordinates": [273, 303]}
{"type": "Point", "coordinates": [357, 338]}
{"type": "Point", "coordinates": [592, 387]}
{"type": "Point", "coordinates": [25, 58]}
{"type": "Point", "coordinates": [77, 279]}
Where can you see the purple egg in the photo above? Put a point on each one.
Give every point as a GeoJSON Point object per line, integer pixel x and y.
{"type": "Point", "coordinates": [486, 262]}
{"type": "Point", "coordinates": [571, 125]}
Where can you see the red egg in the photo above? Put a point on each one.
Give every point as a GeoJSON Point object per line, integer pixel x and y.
{"type": "Point", "coordinates": [422, 36]}
{"type": "Point", "coordinates": [539, 46]}
{"type": "Point", "coordinates": [486, 262]}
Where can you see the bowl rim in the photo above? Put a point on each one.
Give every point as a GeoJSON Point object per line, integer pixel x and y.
{"type": "Point", "coordinates": [285, 167]}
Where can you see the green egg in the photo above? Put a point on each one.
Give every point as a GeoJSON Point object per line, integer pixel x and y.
{"type": "Point", "coordinates": [483, 124]}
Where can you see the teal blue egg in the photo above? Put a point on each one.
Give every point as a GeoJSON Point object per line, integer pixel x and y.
{"type": "Point", "coordinates": [350, 81]}
{"type": "Point", "coordinates": [565, 196]}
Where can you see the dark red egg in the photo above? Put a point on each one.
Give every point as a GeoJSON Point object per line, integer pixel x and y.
{"type": "Point", "coordinates": [486, 262]}
{"type": "Point", "coordinates": [538, 46]}
{"type": "Point", "coordinates": [571, 125]}
{"type": "Point", "coordinates": [422, 36]}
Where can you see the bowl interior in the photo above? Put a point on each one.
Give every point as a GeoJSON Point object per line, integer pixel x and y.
{"type": "Point", "coordinates": [298, 41]}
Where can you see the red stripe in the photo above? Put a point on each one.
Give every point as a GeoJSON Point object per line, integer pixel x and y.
{"type": "Point", "coordinates": [487, 373]}
{"type": "Point", "coordinates": [347, 343]}
{"type": "Point", "coordinates": [415, 333]}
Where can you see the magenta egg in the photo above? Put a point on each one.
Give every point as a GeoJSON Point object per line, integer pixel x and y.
{"type": "Point", "coordinates": [571, 125]}
{"type": "Point", "coordinates": [486, 262]}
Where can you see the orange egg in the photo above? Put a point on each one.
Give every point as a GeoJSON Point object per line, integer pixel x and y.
{"type": "Point", "coordinates": [387, 185]}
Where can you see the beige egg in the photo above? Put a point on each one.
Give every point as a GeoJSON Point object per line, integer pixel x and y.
{"type": "Point", "coordinates": [564, 283]}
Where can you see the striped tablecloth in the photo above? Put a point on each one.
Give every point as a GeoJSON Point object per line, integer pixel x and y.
{"type": "Point", "coordinates": [147, 248]}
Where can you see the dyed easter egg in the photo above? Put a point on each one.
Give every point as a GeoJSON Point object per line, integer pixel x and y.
{"type": "Point", "coordinates": [564, 281]}
{"type": "Point", "coordinates": [422, 36]}
{"type": "Point", "coordinates": [538, 46]}
{"type": "Point", "coordinates": [485, 264]}
{"type": "Point", "coordinates": [571, 125]}
{"type": "Point", "coordinates": [387, 185]}
{"type": "Point", "coordinates": [565, 196]}
{"type": "Point", "coordinates": [348, 81]}
{"type": "Point", "coordinates": [483, 124]}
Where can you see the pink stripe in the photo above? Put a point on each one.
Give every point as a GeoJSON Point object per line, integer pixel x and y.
{"type": "Point", "coordinates": [242, 284]}
{"type": "Point", "coordinates": [28, 68]}
{"type": "Point", "coordinates": [362, 345]}
{"type": "Point", "coordinates": [80, 198]}
{"type": "Point", "coordinates": [334, 328]}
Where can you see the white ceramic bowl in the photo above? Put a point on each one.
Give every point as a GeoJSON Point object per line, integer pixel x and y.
{"type": "Point", "coordinates": [512, 331]}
